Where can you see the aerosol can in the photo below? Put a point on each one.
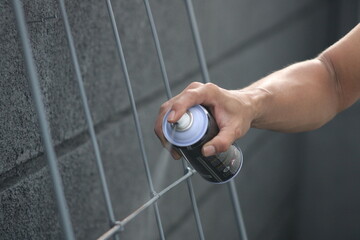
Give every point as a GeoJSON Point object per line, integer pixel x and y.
{"type": "Point", "coordinates": [190, 133]}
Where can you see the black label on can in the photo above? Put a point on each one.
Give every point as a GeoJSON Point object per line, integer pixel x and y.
{"type": "Point", "coordinates": [218, 168]}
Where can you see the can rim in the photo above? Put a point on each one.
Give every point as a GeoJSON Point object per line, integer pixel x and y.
{"type": "Point", "coordinates": [191, 135]}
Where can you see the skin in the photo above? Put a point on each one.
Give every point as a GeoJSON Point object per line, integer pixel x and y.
{"type": "Point", "coordinates": [301, 97]}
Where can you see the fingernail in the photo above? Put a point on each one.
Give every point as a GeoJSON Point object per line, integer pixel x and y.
{"type": "Point", "coordinates": [171, 115]}
{"type": "Point", "coordinates": [209, 151]}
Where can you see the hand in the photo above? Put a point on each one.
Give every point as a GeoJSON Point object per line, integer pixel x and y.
{"type": "Point", "coordinates": [232, 110]}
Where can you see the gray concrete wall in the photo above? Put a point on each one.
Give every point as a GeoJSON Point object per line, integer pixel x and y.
{"type": "Point", "coordinates": [243, 41]}
{"type": "Point", "coordinates": [328, 194]}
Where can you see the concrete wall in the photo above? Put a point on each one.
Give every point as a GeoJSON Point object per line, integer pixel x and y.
{"type": "Point", "coordinates": [328, 193]}
{"type": "Point", "coordinates": [243, 41]}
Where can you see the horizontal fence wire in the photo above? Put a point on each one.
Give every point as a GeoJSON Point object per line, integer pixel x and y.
{"type": "Point", "coordinates": [119, 225]}
{"type": "Point", "coordinates": [98, 160]}
{"type": "Point", "coordinates": [30, 66]}
{"type": "Point", "coordinates": [135, 114]}
{"type": "Point", "coordinates": [206, 79]}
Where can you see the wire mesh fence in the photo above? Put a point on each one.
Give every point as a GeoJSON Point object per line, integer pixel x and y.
{"type": "Point", "coordinates": [115, 226]}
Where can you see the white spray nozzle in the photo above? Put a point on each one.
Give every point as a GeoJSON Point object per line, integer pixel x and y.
{"type": "Point", "coordinates": [184, 122]}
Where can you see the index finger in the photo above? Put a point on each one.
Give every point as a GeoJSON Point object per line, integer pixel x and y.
{"type": "Point", "coordinates": [158, 123]}
{"type": "Point", "coordinates": [167, 106]}
{"type": "Point", "coordinates": [159, 133]}
{"type": "Point", "coordinates": [196, 93]}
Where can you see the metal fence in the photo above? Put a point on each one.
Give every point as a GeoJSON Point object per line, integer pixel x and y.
{"type": "Point", "coordinates": [115, 226]}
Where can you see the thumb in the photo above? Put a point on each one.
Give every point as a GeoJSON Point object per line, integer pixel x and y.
{"type": "Point", "coordinates": [219, 143]}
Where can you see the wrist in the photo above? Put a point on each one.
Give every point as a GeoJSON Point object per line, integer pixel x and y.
{"type": "Point", "coordinates": [259, 100]}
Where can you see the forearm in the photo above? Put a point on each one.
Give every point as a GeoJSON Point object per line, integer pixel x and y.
{"type": "Point", "coordinates": [306, 95]}
{"type": "Point", "coordinates": [301, 97]}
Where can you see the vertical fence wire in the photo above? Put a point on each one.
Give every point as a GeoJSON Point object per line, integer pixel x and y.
{"type": "Point", "coordinates": [65, 219]}
{"type": "Point", "coordinates": [206, 79]}
{"type": "Point", "coordinates": [158, 49]}
{"type": "Point", "coordinates": [238, 214]}
{"type": "Point", "coordinates": [197, 40]}
{"type": "Point", "coordinates": [169, 95]}
{"type": "Point", "coordinates": [194, 204]}
{"type": "Point", "coordinates": [89, 120]}
{"type": "Point", "coordinates": [135, 113]}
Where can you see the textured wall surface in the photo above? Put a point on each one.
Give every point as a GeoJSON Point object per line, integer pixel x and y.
{"type": "Point", "coordinates": [243, 41]}
{"type": "Point", "coordinates": [328, 194]}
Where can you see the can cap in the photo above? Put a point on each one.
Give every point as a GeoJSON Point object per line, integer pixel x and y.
{"type": "Point", "coordinates": [190, 128]}
{"type": "Point", "coordinates": [184, 122]}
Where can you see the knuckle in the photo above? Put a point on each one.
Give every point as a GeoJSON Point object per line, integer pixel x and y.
{"type": "Point", "coordinates": [238, 133]}
{"type": "Point", "coordinates": [195, 85]}
{"type": "Point", "coordinates": [192, 93]}
{"type": "Point", "coordinates": [176, 105]}
{"type": "Point", "coordinates": [211, 87]}
{"type": "Point", "coordinates": [164, 106]}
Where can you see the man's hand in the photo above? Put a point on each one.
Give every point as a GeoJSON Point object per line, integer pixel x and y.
{"type": "Point", "coordinates": [232, 110]}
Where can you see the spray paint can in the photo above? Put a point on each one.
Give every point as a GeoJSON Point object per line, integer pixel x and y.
{"type": "Point", "coordinates": [188, 136]}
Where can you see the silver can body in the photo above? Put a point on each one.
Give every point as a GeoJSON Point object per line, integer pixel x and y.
{"type": "Point", "coordinates": [219, 168]}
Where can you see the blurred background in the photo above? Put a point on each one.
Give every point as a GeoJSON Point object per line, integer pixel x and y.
{"type": "Point", "coordinates": [291, 186]}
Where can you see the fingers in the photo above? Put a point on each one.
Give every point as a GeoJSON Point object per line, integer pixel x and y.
{"type": "Point", "coordinates": [196, 93]}
{"type": "Point", "coordinates": [159, 121]}
{"type": "Point", "coordinates": [183, 101]}
{"type": "Point", "coordinates": [159, 132]}
{"type": "Point", "coordinates": [219, 143]}
{"type": "Point", "coordinates": [175, 154]}
{"type": "Point", "coordinates": [181, 105]}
